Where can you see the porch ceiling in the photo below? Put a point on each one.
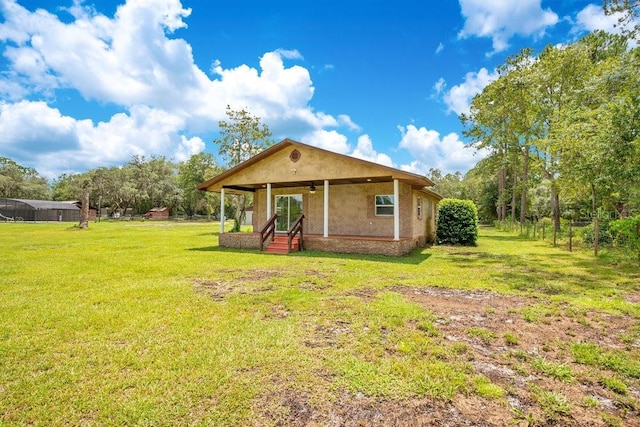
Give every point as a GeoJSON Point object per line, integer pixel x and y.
{"type": "Point", "coordinates": [318, 183]}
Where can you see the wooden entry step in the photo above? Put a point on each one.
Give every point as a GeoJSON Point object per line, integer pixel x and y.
{"type": "Point", "coordinates": [280, 245]}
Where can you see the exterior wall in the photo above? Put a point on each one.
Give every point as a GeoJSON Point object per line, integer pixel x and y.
{"type": "Point", "coordinates": [351, 210]}
{"type": "Point", "coordinates": [430, 213]}
{"type": "Point", "coordinates": [424, 227]}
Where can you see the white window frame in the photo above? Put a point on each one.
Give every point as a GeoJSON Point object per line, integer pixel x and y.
{"type": "Point", "coordinates": [379, 205]}
{"type": "Point", "coordinates": [419, 204]}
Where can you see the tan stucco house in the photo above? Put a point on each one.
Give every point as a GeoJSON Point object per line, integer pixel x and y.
{"type": "Point", "coordinates": [348, 205]}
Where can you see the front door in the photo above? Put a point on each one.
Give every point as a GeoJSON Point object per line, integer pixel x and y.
{"type": "Point", "coordinates": [288, 208]}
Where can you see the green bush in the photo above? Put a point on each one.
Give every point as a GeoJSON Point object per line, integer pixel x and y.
{"type": "Point", "coordinates": [628, 233]}
{"type": "Point", "coordinates": [457, 222]}
{"type": "Point", "coordinates": [589, 234]}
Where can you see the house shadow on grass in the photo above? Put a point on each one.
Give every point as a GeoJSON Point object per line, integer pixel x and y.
{"type": "Point", "coordinates": [416, 257]}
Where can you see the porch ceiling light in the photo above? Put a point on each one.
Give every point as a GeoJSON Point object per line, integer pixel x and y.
{"type": "Point", "coordinates": [312, 188]}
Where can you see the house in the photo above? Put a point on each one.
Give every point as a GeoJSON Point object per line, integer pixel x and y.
{"type": "Point", "coordinates": [344, 204]}
{"type": "Point", "coordinates": [157, 213]}
{"type": "Point", "coordinates": [38, 210]}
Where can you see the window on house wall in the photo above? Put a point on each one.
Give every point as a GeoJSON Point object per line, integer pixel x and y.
{"type": "Point", "coordinates": [419, 207]}
{"type": "Point", "coordinates": [384, 205]}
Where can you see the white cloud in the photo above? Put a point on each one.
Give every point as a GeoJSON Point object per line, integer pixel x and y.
{"type": "Point", "coordinates": [131, 61]}
{"type": "Point", "coordinates": [439, 86]}
{"type": "Point", "coordinates": [34, 127]}
{"type": "Point", "coordinates": [329, 140]}
{"type": "Point", "coordinates": [55, 143]}
{"type": "Point", "coordinates": [458, 99]}
{"type": "Point", "coordinates": [365, 151]}
{"type": "Point", "coordinates": [289, 54]}
{"type": "Point", "coordinates": [345, 120]}
{"type": "Point", "coordinates": [593, 18]}
{"type": "Point", "coordinates": [501, 20]}
{"type": "Point", "coordinates": [189, 147]}
{"type": "Point", "coordinates": [449, 154]}
{"type": "Point", "coordinates": [440, 48]}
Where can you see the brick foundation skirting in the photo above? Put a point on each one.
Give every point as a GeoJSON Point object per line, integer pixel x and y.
{"type": "Point", "coordinates": [353, 245]}
{"type": "Point", "coordinates": [240, 240]}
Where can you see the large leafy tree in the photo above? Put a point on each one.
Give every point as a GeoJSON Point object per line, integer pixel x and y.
{"type": "Point", "coordinates": [598, 134]}
{"type": "Point", "coordinates": [20, 182]}
{"type": "Point", "coordinates": [242, 136]}
{"type": "Point", "coordinates": [199, 168]}
{"type": "Point", "coordinates": [155, 183]}
{"type": "Point", "coordinates": [504, 119]}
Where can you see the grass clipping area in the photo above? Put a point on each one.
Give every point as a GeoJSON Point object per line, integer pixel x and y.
{"type": "Point", "coordinates": [153, 324]}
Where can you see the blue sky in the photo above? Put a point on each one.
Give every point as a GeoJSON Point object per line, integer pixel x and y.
{"type": "Point", "coordinates": [85, 84]}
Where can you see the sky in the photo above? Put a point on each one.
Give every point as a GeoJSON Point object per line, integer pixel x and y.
{"type": "Point", "coordinates": [87, 84]}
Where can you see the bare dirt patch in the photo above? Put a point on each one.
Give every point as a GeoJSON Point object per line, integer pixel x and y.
{"type": "Point", "coordinates": [522, 345]}
{"type": "Point", "coordinates": [294, 408]}
{"type": "Point", "coordinates": [252, 282]}
{"type": "Point", "coordinates": [540, 333]}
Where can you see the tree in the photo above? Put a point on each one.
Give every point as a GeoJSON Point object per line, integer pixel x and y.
{"type": "Point", "coordinates": [242, 136]}
{"type": "Point", "coordinates": [84, 207]}
{"type": "Point", "coordinates": [450, 185]}
{"type": "Point", "coordinates": [20, 182]}
{"type": "Point", "coordinates": [503, 118]}
{"type": "Point", "coordinates": [119, 189]}
{"type": "Point", "coordinates": [629, 11]}
{"type": "Point", "coordinates": [155, 183]}
{"type": "Point", "coordinates": [199, 168]}
{"type": "Point", "coordinates": [598, 133]}
{"type": "Point", "coordinates": [66, 187]}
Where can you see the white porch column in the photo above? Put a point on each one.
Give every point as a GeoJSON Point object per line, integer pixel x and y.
{"type": "Point", "coordinates": [268, 201]}
{"type": "Point", "coordinates": [326, 208]}
{"type": "Point", "coordinates": [396, 210]}
{"type": "Point", "coordinates": [222, 210]}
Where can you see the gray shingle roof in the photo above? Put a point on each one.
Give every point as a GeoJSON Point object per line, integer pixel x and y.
{"type": "Point", "coordinates": [49, 204]}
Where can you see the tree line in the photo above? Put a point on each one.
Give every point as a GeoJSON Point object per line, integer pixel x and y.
{"type": "Point", "coordinates": [562, 132]}
{"type": "Point", "coordinates": [134, 188]}
{"type": "Point", "coordinates": [144, 183]}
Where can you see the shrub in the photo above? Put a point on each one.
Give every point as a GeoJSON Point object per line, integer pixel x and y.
{"type": "Point", "coordinates": [628, 231]}
{"type": "Point", "coordinates": [457, 222]}
{"type": "Point", "coordinates": [589, 234]}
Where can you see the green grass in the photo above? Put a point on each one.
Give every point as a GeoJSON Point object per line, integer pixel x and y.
{"type": "Point", "coordinates": [143, 323]}
{"type": "Point", "coordinates": [561, 372]}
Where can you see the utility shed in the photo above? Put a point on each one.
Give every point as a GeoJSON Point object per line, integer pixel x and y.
{"type": "Point", "coordinates": [39, 210]}
{"type": "Point", "coordinates": [157, 213]}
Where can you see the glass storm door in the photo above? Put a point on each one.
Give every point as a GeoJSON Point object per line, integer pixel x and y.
{"type": "Point", "coordinates": [288, 208]}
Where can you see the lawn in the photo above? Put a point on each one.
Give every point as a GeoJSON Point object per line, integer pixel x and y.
{"type": "Point", "coordinates": [150, 323]}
